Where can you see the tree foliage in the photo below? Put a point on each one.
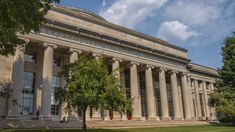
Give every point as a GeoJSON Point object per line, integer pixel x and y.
{"type": "Point", "coordinates": [20, 16]}
{"type": "Point", "coordinates": [224, 97]}
{"type": "Point", "coordinates": [90, 85]}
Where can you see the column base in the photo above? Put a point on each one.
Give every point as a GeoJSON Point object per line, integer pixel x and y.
{"type": "Point", "coordinates": [201, 118]}
{"type": "Point", "coordinates": [12, 117]}
{"type": "Point", "coordinates": [117, 118]}
{"type": "Point", "coordinates": [136, 118]}
{"type": "Point", "coordinates": [96, 118]}
{"type": "Point", "coordinates": [165, 118]}
{"type": "Point", "coordinates": [188, 118]}
{"type": "Point", "coordinates": [45, 118]}
{"type": "Point", "coordinates": [178, 118]}
{"type": "Point", "coordinates": [153, 118]}
{"type": "Point", "coordinates": [74, 118]}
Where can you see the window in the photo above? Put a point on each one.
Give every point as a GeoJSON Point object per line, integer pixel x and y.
{"type": "Point", "coordinates": [127, 83]}
{"type": "Point", "coordinates": [202, 104]}
{"type": "Point", "coordinates": [143, 93]}
{"type": "Point", "coordinates": [54, 98]}
{"type": "Point", "coordinates": [169, 95]}
{"type": "Point", "coordinates": [56, 61]}
{"type": "Point", "coordinates": [30, 57]}
{"type": "Point", "coordinates": [28, 93]}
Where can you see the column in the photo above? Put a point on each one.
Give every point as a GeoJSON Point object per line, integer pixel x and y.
{"type": "Point", "coordinates": [73, 115]}
{"type": "Point", "coordinates": [163, 94]}
{"type": "Point", "coordinates": [190, 98]}
{"type": "Point", "coordinates": [116, 67]}
{"type": "Point", "coordinates": [187, 113]}
{"type": "Point", "coordinates": [96, 114]}
{"type": "Point", "coordinates": [74, 54]}
{"type": "Point", "coordinates": [135, 95]}
{"type": "Point", "coordinates": [15, 110]}
{"type": "Point", "coordinates": [96, 56]}
{"type": "Point", "coordinates": [213, 111]}
{"type": "Point", "coordinates": [197, 99]}
{"type": "Point", "coordinates": [175, 96]}
{"type": "Point", "coordinates": [116, 72]}
{"type": "Point", "coordinates": [151, 105]}
{"type": "Point", "coordinates": [207, 110]}
{"type": "Point", "coordinates": [47, 73]}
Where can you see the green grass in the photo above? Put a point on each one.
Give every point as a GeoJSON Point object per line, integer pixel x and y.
{"type": "Point", "coordinates": [209, 128]}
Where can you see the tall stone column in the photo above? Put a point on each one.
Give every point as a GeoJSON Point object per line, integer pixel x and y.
{"type": "Point", "coordinates": [207, 110]}
{"type": "Point", "coordinates": [116, 68]}
{"type": "Point", "coordinates": [163, 94]}
{"type": "Point", "coordinates": [47, 74]}
{"type": "Point", "coordinates": [151, 105]}
{"type": "Point", "coordinates": [73, 115]}
{"type": "Point", "coordinates": [116, 72]}
{"type": "Point", "coordinates": [187, 112]}
{"type": "Point", "coordinates": [213, 111]}
{"type": "Point", "coordinates": [190, 97]}
{"type": "Point", "coordinates": [96, 114]}
{"type": "Point", "coordinates": [135, 95]}
{"type": "Point", "coordinates": [197, 99]}
{"type": "Point", "coordinates": [175, 96]}
{"type": "Point", "coordinates": [74, 54]}
{"type": "Point", "coordinates": [15, 110]}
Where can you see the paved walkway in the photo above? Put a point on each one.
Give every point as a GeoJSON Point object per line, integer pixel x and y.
{"type": "Point", "coordinates": [95, 124]}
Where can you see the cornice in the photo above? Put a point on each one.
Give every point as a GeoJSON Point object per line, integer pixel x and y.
{"type": "Point", "coordinates": [119, 28]}
{"type": "Point", "coordinates": [104, 37]}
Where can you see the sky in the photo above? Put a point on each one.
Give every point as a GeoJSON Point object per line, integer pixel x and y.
{"type": "Point", "coordinates": [199, 26]}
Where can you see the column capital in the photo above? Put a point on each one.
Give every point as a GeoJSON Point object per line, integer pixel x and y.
{"type": "Point", "coordinates": [116, 59]}
{"type": "Point", "coordinates": [149, 66]}
{"type": "Point", "coordinates": [173, 72]}
{"type": "Point", "coordinates": [49, 45]}
{"type": "Point", "coordinates": [25, 39]}
{"type": "Point", "coordinates": [160, 69]}
{"type": "Point", "coordinates": [183, 74]}
{"type": "Point", "coordinates": [134, 63]}
{"type": "Point", "coordinates": [71, 50]}
{"type": "Point", "coordinates": [96, 54]}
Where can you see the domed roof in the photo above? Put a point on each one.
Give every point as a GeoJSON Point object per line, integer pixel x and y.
{"type": "Point", "coordinates": [81, 12]}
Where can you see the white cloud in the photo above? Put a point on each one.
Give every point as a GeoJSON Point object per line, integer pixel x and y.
{"type": "Point", "coordinates": [175, 31]}
{"type": "Point", "coordinates": [195, 13]}
{"type": "Point", "coordinates": [129, 13]}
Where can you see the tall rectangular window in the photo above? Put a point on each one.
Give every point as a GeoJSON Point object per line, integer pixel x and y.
{"type": "Point", "coordinates": [54, 98]}
{"type": "Point", "coordinates": [202, 104]}
{"type": "Point", "coordinates": [30, 57]}
{"type": "Point", "coordinates": [143, 93]}
{"type": "Point", "coordinates": [127, 83]}
{"type": "Point", "coordinates": [169, 95]}
{"type": "Point", "coordinates": [28, 93]}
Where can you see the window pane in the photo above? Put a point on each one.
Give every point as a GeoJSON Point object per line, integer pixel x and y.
{"type": "Point", "coordinates": [28, 93]}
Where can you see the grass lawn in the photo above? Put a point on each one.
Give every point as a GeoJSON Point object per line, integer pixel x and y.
{"type": "Point", "coordinates": [209, 128]}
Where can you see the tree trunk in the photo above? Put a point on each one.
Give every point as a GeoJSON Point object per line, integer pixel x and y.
{"type": "Point", "coordinates": [84, 129]}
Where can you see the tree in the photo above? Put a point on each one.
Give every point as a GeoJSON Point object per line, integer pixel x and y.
{"type": "Point", "coordinates": [224, 97]}
{"type": "Point", "coordinates": [90, 85]}
{"type": "Point", "coordinates": [20, 16]}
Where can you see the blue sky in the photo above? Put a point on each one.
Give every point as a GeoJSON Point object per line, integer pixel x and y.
{"type": "Point", "coordinates": [197, 25]}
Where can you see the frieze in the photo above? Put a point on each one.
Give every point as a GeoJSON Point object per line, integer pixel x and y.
{"type": "Point", "coordinates": [107, 46]}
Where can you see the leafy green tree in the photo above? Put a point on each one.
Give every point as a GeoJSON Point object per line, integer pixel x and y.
{"type": "Point", "coordinates": [20, 16]}
{"type": "Point", "coordinates": [224, 97]}
{"type": "Point", "coordinates": [90, 85]}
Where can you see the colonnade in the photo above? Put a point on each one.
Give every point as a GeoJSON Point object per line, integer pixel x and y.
{"type": "Point", "coordinates": [188, 108]}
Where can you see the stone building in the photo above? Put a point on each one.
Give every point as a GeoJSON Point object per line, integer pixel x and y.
{"type": "Point", "coordinates": [163, 82]}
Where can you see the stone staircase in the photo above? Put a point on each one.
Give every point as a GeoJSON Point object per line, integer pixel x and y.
{"type": "Point", "coordinates": [94, 124]}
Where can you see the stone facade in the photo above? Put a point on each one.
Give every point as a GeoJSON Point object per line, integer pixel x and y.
{"type": "Point", "coordinates": [162, 81]}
